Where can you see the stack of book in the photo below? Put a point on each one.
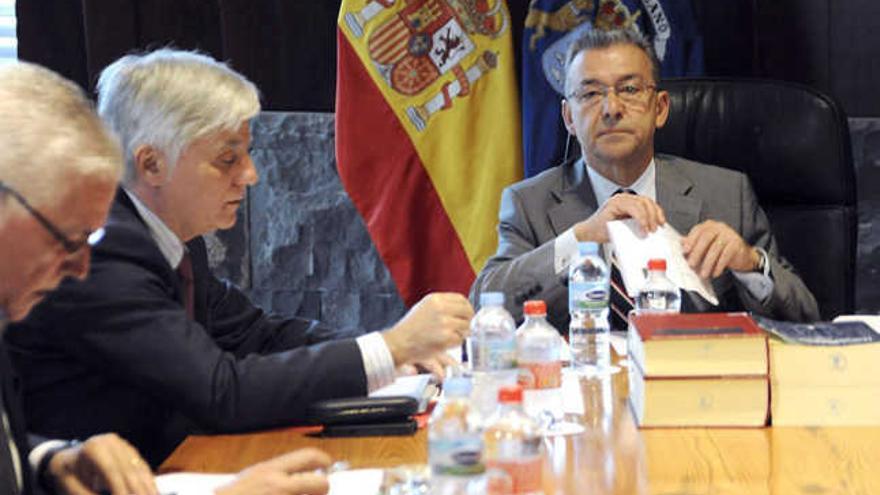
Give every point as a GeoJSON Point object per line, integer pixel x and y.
{"type": "Point", "coordinates": [706, 369]}
{"type": "Point", "coordinates": [824, 374]}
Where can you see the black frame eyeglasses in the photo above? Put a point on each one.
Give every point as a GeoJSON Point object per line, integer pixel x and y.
{"type": "Point", "coordinates": [69, 245]}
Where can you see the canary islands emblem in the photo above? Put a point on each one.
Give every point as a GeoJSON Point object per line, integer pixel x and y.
{"type": "Point", "coordinates": [428, 40]}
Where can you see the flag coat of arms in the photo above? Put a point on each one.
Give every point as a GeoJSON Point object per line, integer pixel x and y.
{"type": "Point", "coordinates": [552, 26]}
{"type": "Point", "coordinates": [427, 132]}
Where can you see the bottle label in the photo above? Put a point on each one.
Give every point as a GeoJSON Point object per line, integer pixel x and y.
{"type": "Point", "coordinates": [494, 354]}
{"type": "Point", "coordinates": [462, 456]}
{"type": "Point", "coordinates": [587, 296]}
{"type": "Point", "coordinates": [541, 375]}
{"type": "Point", "coordinates": [525, 473]}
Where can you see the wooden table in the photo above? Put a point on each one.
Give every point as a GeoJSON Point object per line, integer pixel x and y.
{"type": "Point", "coordinates": [613, 456]}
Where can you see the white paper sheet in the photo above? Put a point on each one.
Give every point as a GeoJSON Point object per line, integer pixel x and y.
{"type": "Point", "coordinates": [872, 321]}
{"type": "Point", "coordinates": [191, 483]}
{"type": "Point", "coordinates": [356, 482]}
{"type": "Point", "coordinates": [633, 250]}
{"type": "Point", "coordinates": [350, 482]}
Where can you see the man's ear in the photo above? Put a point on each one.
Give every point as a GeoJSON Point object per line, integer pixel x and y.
{"type": "Point", "coordinates": [150, 165]}
{"type": "Point", "coordinates": [566, 118]}
{"type": "Point", "coordinates": [662, 109]}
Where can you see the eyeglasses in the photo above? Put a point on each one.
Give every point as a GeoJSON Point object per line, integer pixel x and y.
{"type": "Point", "coordinates": [632, 93]}
{"type": "Point", "coordinates": [71, 246]}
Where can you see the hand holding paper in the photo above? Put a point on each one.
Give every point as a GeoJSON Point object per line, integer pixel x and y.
{"type": "Point", "coordinates": [633, 250]}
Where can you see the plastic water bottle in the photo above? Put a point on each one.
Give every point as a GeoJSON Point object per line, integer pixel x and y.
{"type": "Point", "coordinates": [659, 295]}
{"type": "Point", "coordinates": [513, 445]}
{"type": "Point", "coordinates": [455, 445]}
{"type": "Point", "coordinates": [492, 344]}
{"type": "Point", "coordinates": [538, 349]}
{"type": "Point", "coordinates": [589, 335]}
{"type": "Point", "coordinates": [491, 352]}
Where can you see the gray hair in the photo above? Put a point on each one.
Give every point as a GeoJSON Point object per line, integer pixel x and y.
{"type": "Point", "coordinates": [597, 39]}
{"type": "Point", "coordinates": [50, 135]}
{"type": "Point", "coordinates": [169, 98]}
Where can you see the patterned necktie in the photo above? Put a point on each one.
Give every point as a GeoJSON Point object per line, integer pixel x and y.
{"type": "Point", "coordinates": [621, 304]}
{"type": "Point", "coordinates": [185, 272]}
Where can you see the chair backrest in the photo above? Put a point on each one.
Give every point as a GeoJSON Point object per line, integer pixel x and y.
{"type": "Point", "coordinates": [793, 142]}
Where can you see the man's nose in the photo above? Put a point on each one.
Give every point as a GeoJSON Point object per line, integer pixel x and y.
{"type": "Point", "coordinates": [249, 175]}
{"type": "Point", "coordinates": [612, 107]}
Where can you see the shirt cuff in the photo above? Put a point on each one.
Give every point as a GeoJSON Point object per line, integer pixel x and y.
{"type": "Point", "coordinates": [35, 457]}
{"type": "Point", "coordinates": [378, 362]}
{"type": "Point", "coordinates": [565, 249]}
{"type": "Point", "coordinates": [759, 285]}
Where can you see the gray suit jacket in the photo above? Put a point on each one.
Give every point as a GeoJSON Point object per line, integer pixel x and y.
{"type": "Point", "coordinates": [537, 210]}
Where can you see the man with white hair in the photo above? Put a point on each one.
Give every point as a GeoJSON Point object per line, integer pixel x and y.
{"type": "Point", "coordinates": [152, 345]}
{"type": "Point", "coordinates": [58, 174]}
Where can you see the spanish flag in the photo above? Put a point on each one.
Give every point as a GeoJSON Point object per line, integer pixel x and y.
{"type": "Point", "coordinates": [427, 132]}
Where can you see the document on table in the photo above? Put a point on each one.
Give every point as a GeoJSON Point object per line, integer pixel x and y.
{"type": "Point", "coordinates": [633, 250]}
{"type": "Point", "coordinates": [419, 387]}
{"type": "Point", "coordinates": [360, 481]}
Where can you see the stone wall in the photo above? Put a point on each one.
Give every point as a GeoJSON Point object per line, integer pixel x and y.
{"type": "Point", "coordinates": [300, 247]}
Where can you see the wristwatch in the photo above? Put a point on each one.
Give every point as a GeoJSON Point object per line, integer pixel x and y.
{"type": "Point", "coordinates": [763, 262]}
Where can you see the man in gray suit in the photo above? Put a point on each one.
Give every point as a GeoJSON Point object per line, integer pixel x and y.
{"type": "Point", "coordinates": [613, 107]}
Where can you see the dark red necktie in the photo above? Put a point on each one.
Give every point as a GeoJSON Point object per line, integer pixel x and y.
{"type": "Point", "coordinates": [185, 272]}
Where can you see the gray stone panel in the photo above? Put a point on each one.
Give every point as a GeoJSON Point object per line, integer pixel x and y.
{"type": "Point", "coordinates": [309, 250]}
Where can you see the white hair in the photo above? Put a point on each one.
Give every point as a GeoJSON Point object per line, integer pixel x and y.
{"type": "Point", "coordinates": [169, 98]}
{"type": "Point", "coordinates": [50, 135]}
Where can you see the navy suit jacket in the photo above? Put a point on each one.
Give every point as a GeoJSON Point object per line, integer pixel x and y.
{"type": "Point", "coordinates": [117, 352]}
{"type": "Point", "coordinates": [10, 387]}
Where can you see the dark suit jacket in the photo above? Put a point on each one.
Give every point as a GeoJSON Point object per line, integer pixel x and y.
{"type": "Point", "coordinates": [116, 352]}
{"type": "Point", "coordinates": [537, 210]}
{"type": "Point", "coordinates": [10, 387]}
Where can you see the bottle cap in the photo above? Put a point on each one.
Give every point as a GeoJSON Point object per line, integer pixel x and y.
{"type": "Point", "coordinates": [457, 386]}
{"type": "Point", "coordinates": [510, 394]}
{"type": "Point", "coordinates": [657, 264]}
{"type": "Point", "coordinates": [535, 308]}
{"type": "Point", "coordinates": [587, 248]}
{"type": "Point", "coordinates": [492, 299]}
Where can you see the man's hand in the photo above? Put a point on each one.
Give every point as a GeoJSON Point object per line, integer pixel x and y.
{"type": "Point", "coordinates": [289, 474]}
{"type": "Point", "coordinates": [437, 322]}
{"type": "Point", "coordinates": [103, 463]}
{"type": "Point", "coordinates": [435, 365]}
{"type": "Point", "coordinates": [711, 247]}
{"type": "Point", "coordinates": [643, 210]}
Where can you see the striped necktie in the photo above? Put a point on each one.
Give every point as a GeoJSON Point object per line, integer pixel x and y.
{"type": "Point", "coordinates": [619, 301]}
{"type": "Point", "coordinates": [621, 304]}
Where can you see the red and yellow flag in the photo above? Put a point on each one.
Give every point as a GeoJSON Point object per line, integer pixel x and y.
{"type": "Point", "coordinates": [427, 132]}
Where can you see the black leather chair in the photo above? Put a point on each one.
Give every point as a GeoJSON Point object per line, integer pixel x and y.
{"type": "Point", "coordinates": [793, 142]}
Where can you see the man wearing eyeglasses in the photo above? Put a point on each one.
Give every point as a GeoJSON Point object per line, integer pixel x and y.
{"type": "Point", "coordinates": [613, 106]}
{"type": "Point", "coordinates": [58, 175]}
{"type": "Point", "coordinates": [153, 346]}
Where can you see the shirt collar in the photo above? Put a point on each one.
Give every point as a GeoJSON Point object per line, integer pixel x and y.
{"type": "Point", "coordinates": [645, 185]}
{"type": "Point", "coordinates": [169, 244]}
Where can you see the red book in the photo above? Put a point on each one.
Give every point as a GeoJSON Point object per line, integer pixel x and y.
{"type": "Point", "coordinates": [696, 344]}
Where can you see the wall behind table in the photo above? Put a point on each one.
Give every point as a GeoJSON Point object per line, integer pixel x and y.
{"type": "Point", "coordinates": [300, 246]}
